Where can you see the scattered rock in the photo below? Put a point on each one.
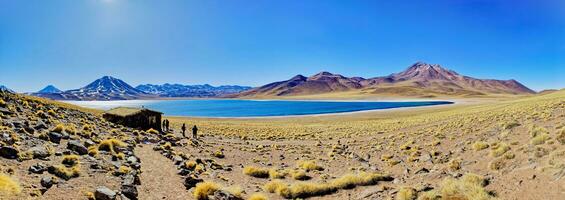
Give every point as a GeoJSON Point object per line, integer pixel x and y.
{"type": "Point", "coordinates": [223, 195]}
{"type": "Point", "coordinates": [191, 182]}
{"type": "Point", "coordinates": [38, 168]}
{"type": "Point", "coordinates": [47, 181]}
{"type": "Point", "coordinates": [9, 152]}
{"type": "Point", "coordinates": [130, 191]}
{"type": "Point", "coordinates": [55, 137]}
{"type": "Point", "coordinates": [39, 152]}
{"type": "Point", "coordinates": [103, 193]}
{"type": "Point", "coordinates": [76, 146]}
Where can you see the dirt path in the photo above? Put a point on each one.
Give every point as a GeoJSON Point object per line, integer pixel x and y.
{"type": "Point", "coordinates": [159, 179]}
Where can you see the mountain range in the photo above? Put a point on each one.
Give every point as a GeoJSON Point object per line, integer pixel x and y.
{"type": "Point", "coordinates": [419, 80]}
{"type": "Point", "coordinates": [110, 88]}
{"type": "Point", "coordinates": [178, 90]}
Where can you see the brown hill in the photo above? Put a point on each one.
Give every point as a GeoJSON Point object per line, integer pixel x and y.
{"type": "Point", "coordinates": [420, 79]}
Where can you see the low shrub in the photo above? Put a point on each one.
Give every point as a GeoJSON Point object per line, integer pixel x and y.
{"type": "Point", "coordinates": [71, 160]}
{"type": "Point", "coordinates": [8, 186]}
{"type": "Point", "coordinates": [256, 172]}
{"type": "Point", "coordinates": [309, 165]}
{"type": "Point", "coordinates": [110, 145]}
{"type": "Point", "coordinates": [202, 190]}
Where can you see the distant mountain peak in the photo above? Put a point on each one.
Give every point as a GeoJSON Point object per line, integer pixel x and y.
{"type": "Point", "coordinates": [4, 88]}
{"type": "Point", "coordinates": [419, 79]}
{"type": "Point", "coordinates": [49, 89]}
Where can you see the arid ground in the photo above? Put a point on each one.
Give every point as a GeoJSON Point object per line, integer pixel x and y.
{"type": "Point", "coordinates": [506, 148]}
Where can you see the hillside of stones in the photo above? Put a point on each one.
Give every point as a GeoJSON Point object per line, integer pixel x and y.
{"type": "Point", "coordinates": [49, 151]}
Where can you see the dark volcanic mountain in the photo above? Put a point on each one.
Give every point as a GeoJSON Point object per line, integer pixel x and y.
{"type": "Point", "coordinates": [49, 89]}
{"type": "Point", "coordinates": [420, 79]}
{"type": "Point", "coordinates": [105, 88]}
{"type": "Point", "coordinates": [4, 88]}
{"type": "Point", "coordinates": [178, 90]}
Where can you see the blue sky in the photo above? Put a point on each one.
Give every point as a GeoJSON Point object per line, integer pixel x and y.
{"type": "Point", "coordinates": [70, 43]}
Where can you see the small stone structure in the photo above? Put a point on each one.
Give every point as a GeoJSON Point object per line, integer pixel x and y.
{"type": "Point", "coordinates": [140, 118]}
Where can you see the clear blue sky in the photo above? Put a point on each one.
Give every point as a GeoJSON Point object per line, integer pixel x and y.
{"type": "Point", "coordinates": [70, 43]}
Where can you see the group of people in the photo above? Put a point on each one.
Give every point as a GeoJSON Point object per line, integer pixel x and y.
{"type": "Point", "coordinates": [166, 128]}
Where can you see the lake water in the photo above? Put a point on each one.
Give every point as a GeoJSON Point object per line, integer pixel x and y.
{"type": "Point", "coordinates": [251, 108]}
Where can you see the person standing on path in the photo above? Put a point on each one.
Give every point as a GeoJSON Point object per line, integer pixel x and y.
{"type": "Point", "coordinates": [194, 131]}
{"type": "Point", "coordinates": [183, 128]}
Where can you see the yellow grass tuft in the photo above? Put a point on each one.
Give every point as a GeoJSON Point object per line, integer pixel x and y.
{"type": "Point", "coordinates": [152, 131]}
{"type": "Point", "coordinates": [110, 145]}
{"type": "Point", "coordinates": [8, 186]}
{"type": "Point", "coordinates": [406, 193]}
{"type": "Point", "coordinates": [499, 149]}
{"type": "Point", "coordinates": [64, 172]}
{"type": "Point", "coordinates": [277, 174]}
{"type": "Point", "coordinates": [71, 160]}
{"type": "Point", "coordinates": [310, 189]}
{"type": "Point", "coordinates": [480, 145]}
{"type": "Point", "coordinates": [299, 175]}
{"type": "Point", "coordinates": [257, 196]}
{"type": "Point", "coordinates": [309, 165]}
{"type": "Point", "coordinates": [470, 187]}
{"type": "Point", "coordinates": [59, 128]}
{"type": "Point", "coordinates": [256, 172]}
{"type": "Point", "coordinates": [204, 189]}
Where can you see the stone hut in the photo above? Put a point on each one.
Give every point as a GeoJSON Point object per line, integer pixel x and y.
{"type": "Point", "coordinates": [140, 118]}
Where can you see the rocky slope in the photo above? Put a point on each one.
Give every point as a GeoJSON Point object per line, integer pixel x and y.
{"type": "Point", "coordinates": [51, 150]}
{"type": "Point", "coordinates": [420, 79]}
{"type": "Point", "coordinates": [178, 90]}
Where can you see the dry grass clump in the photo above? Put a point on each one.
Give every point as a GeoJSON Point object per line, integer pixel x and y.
{"type": "Point", "coordinates": [499, 149]}
{"type": "Point", "coordinates": [8, 186]}
{"type": "Point", "coordinates": [277, 174]}
{"type": "Point", "coordinates": [219, 154]}
{"type": "Point", "coordinates": [510, 125]}
{"type": "Point", "coordinates": [540, 139]}
{"type": "Point", "coordinates": [256, 172]}
{"type": "Point", "coordinates": [204, 189]}
{"type": "Point", "coordinates": [468, 187]}
{"type": "Point", "coordinates": [561, 136]}
{"type": "Point", "coordinates": [2, 103]}
{"type": "Point", "coordinates": [406, 193]}
{"type": "Point", "coordinates": [257, 196]}
{"type": "Point", "coordinates": [122, 170]}
{"type": "Point", "coordinates": [110, 145]}
{"type": "Point", "coordinates": [299, 175]}
{"type": "Point", "coordinates": [309, 165]}
{"type": "Point", "coordinates": [71, 160]}
{"type": "Point", "coordinates": [152, 131]}
{"type": "Point", "coordinates": [497, 164]}
{"type": "Point", "coordinates": [59, 128]}
{"type": "Point", "coordinates": [64, 172]}
{"type": "Point", "coordinates": [480, 145]}
{"type": "Point", "coordinates": [93, 150]}
{"type": "Point", "coordinates": [309, 189]}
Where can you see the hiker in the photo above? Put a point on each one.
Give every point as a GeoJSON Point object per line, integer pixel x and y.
{"type": "Point", "coordinates": [183, 128]}
{"type": "Point", "coordinates": [165, 125]}
{"type": "Point", "coordinates": [194, 131]}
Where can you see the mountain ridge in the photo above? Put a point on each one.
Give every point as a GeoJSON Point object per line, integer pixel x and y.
{"type": "Point", "coordinates": [418, 80]}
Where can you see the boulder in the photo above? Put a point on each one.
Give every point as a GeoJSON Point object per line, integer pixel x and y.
{"type": "Point", "coordinates": [55, 137]}
{"type": "Point", "coordinates": [224, 195]}
{"type": "Point", "coordinates": [130, 191]}
{"type": "Point", "coordinates": [9, 152]}
{"type": "Point", "coordinates": [191, 182]}
{"type": "Point", "coordinates": [47, 181]}
{"type": "Point", "coordinates": [76, 146]}
{"type": "Point", "coordinates": [38, 168]}
{"type": "Point", "coordinates": [39, 152]}
{"type": "Point", "coordinates": [103, 193]}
